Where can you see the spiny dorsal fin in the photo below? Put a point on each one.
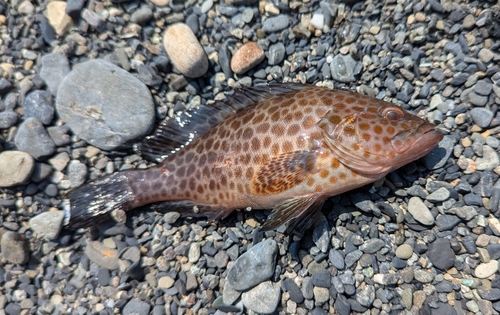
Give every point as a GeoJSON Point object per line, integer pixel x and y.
{"type": "Point", "coordinates": [178, 131]}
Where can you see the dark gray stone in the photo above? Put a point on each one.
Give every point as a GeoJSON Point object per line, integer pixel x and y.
{"type": "Point", "coordinates": [32, 138]}
{"type": "Point", "coordinates": [441, 255]}
{"type": "Point", "coordinates": [274, 24]}
{"type": "Point", "coordinates": [38, 104]}
{"type": "Point", "coordinates": [136, 306]}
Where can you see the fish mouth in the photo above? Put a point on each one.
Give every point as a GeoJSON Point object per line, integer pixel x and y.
{"type": "Point", "coordinates": [426, 138]}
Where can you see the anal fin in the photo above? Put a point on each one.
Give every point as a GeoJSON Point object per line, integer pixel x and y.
{"type": "Point", "coordinates": [300, 212]}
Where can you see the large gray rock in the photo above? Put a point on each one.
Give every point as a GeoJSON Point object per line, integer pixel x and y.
{"type": "Point", "coordinates": [105, 105]}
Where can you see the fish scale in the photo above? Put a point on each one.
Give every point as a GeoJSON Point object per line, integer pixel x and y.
{"type": "Point", "coordinates": [286, 147]}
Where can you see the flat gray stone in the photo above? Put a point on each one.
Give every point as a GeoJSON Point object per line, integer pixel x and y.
{"type": "Point", "coordinates": [101, 255]}
{"type": "Point", "coordinates": [254, 266]}
{"type": "Point", "coordinates": [105, 105]}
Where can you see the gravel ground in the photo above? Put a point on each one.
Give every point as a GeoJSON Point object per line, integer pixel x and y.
{"type": "Point", "coordinates": [80, 81]}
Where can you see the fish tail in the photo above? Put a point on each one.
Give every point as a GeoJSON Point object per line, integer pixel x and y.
{"type": "Point", "coordinates": [96, 201]}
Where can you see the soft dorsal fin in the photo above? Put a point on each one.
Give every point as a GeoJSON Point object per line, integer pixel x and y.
{"type": "Point", "coordinates": [178, 131]}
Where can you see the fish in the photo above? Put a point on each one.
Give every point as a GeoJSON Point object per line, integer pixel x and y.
{"type": "Point", "coordinates": [286, 147]}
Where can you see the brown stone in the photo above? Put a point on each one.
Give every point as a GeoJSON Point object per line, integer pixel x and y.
{"type": "Point", "coordinates": [247, 57]}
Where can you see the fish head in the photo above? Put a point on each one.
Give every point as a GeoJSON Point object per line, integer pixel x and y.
{"type": "Point", "coordinates": [374, 137]}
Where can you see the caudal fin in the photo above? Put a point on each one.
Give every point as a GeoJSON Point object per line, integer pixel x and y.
{"type": "Point", "coordinates": [94, 202]}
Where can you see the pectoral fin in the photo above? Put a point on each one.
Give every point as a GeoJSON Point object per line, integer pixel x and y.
{"type": "Point", "coordinates": [300, 212]}
{"type": "Point", "coordinates": [283, 172]}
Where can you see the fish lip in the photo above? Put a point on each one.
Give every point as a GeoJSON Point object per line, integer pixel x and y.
{"type": "Point", "coordinates": [429, 138]}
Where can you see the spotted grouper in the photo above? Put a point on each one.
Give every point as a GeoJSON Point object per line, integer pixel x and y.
{"type": "Point", "coordinates": [285, 147]}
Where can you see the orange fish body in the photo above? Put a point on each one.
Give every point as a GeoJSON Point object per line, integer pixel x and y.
{"type": "Point", "coordinates": [286, 147]}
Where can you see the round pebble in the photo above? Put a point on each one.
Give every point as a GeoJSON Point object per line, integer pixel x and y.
{"type": "Point", "coordinates": [16, 168]}
{"type": "Point", "coordinates": [247, 57]}
{"type": "Point", "coordinates": [185, 51]}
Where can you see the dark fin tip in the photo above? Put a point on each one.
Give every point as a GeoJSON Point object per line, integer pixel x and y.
{"type": "Point", "coordinates": [93, 202]}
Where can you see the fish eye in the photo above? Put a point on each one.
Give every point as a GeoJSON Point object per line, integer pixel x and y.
{"type": "Point", "coordinates": [392, 113]}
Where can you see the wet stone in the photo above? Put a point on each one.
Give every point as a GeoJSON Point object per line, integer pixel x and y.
{"type": "Point", "coordinates": [321, 236]}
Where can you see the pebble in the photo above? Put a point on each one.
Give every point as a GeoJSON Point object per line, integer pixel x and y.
{"type": "Point", "coordinates": [440, 254]}
{"type": "Point", "coordinates": [77, 173]}
{"type": "Point", "coordinates": [321, 278]}
{"type": "Point", "coordinates": [276, 54]}
{"type": "Point", "coordinates": [485, 270]}
{"type": "Point", "coordinates": [95, 20]}
{"type": "Point", "coordinates": [438, 157]}
{"type": "Point", "coordinates": [275, 24]}
{"type": "Point", "coordinates": [366, 296]}
{"type": "Point", "coordinates": [55, 67]}
{"type": "Point", "coordinates": [48, 224]}
{"type": "Point", "coordinates": [185, 51]}
{"type": "Point", "coordinates": [142, 16]}
{"type": "Point", "coordinates": [485, 55]}
{"type": "Point", "coordinates": [15, 248]}
{"type": "Point", "coordinates": [372, 246]}
{"type": "Point", "coordinates": [32, 138]}
{"type": "Point", "coordinates": [108, 112]}
{"type": "Point", "coordinates": [489, 160]}
{"type": "Point", "coordinates": [38, 104]}
{"type": "Point", "coordinates": [247, 57]}
{"type": "Point", "coordinates": [481, 116]}
{"type": "Point", "coordinates": [101, 255]}
{"type": "Point", "coordinates": [419, 211]}
{"type": "Point", "coordinates": [262, 299]}
{"type": "Point", "coordinates": [254, 266]}
{"type": "Point", "coordinates": [404, 251]}
{"type": "Point", "coordinates": [336, 259]}
{"type": "Point", "coordinates": [135, 306]}
{"type": "Point", "coordinates": [16, 168]}
{"type": "Point", "coordinates": [8, 118]}
{"type": "Point", "coordinates": [165, 282]}
{"type": "Point", "coordinates": [293, 289]}
{"type": "Point", "coordinates": [342, 68]}
{"type": "Point", "coordinates": [57, 17]}
{"type": "Point", "coordinates": [440, 195]}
